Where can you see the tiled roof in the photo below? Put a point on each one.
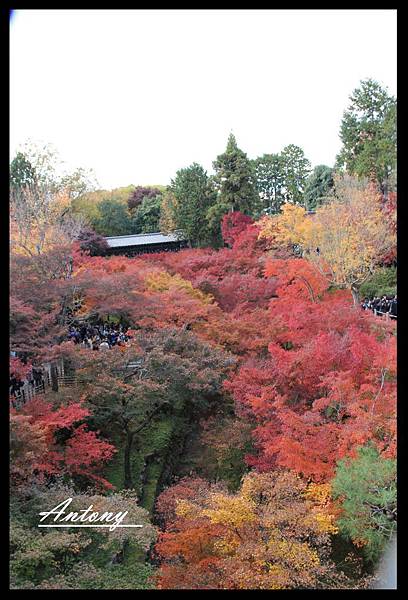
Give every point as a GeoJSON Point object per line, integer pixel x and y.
{"type": "Point", "coordinates": [142, 239]}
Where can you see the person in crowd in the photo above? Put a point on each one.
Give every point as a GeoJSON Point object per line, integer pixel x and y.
{"type": "Point", "coordinates": [73, 335]}
{"type": "Point", "coordinates": [393, 307]}
{"type": "Point", "coordinates": [38, 376]}
{"type": "Point", "coordinates": [23, 356]}
{"type": "Point", "coordinates": [96, 340]}
{"type": "Point", "coordinates": [386, 305]}
{"type": "Point", "coordinates": [15, 385]}
{"type": "Point", "coordinates": [104, 345]}
{"type": "Point", "coordinates": [383, 305]}
{"type": "Point", "coordinates": [122, 340]}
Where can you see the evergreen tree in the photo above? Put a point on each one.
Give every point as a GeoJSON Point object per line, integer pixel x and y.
{"type": "Point", "coordinates": [22, 173]}
{"type": "Point", "coordinates": [270, 177]}
{"type": "Point", "coordinates": [113, 219]}
{"type": "Point", "coordinates": [296, 169]}
{"type": "Point", "coordinates": [194, 196]}
{"type": "Point", "coordinates": [214, 217]}
{"type": "Point", "coordinates": [235, 180]}
{"type": "Point", "coordinates": [146, 216]}
{"type": "Point", "coordinates": [318, 186]}
{"type": "Point", "coordinates": [366, 487]}
{"type": "Point", "coordinates": [369, 134]}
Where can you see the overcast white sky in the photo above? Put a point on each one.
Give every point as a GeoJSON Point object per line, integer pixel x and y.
{"type": "Point", "coordinates": [138, 94]}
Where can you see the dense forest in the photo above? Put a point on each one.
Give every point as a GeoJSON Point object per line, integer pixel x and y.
{"type": "Point", "coordinates": [246, 417]}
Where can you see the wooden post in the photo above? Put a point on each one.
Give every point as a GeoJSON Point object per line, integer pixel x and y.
{"type": "Point", "coordinates": [54, 377]}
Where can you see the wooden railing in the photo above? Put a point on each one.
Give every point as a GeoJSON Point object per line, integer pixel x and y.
{"type": "Point", "coordinates": [50, 379]}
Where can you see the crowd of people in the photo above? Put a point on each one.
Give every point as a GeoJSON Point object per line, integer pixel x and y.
{"type": "Point", "coordinates": [100, 336]}
{"type": "Point", "coordinates": [103, 336]}
{"type": "Point", "coordinates": [95, 337]}
{"type": "Point", "coordinates": [386, 305]}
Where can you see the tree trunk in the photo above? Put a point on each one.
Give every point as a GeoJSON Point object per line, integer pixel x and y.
{"type": "Point", "coordinates": [309, 287]}
{"type": "Point", "coordinates": [54, 378]}
{"type": "Point", "coordinates": [128, 483]}
{"type": "Point", "coordinates": [384, 189]}
{"type": "Point", "coordinates": [356, 296]}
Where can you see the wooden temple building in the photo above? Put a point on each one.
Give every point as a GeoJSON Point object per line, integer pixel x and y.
{"type": "Point", "coordinates": [130, 245]}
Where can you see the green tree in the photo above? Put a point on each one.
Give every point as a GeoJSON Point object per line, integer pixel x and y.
{"type": "Point", "coordinates": [369, 134]}
{"type": "Point", "coordinates": [318, 186]}
{"type": "Point", "coordinates": [366, 488]}
{"type": "Point", "coordinates": [146, 217]}
{"type": "Point", "coordinates": [235, 180]}
{"type": "Point", "coordinates": [58, 559]}
{"type": "Point", "coordinates": [383, 282]}
{"type": "Point", "coordinates": [214, 218]}
{"type": "Point", "coordinates": [87, 204]}
{"type": "Point", "coordinates": [194, 196]}
{"type": "Point", "coordinates": [270, 177]}
{"type": "Point", "coordinates": [170, 372]}
{"type": "Point", "coordinates": [296, 169]}
{"type": "Point", "coordinates": [113, 219]}
{"type": "Point", "coordinates": [22, 172]}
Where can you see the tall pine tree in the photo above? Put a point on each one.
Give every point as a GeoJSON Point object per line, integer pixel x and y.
{"type": "Point", "coordinates": [318, 186]}
{"type": "Point", "coordinates": [369, 135]}
{"type": "Point", "coordinates": [270, 179]}
{"type": "Point", "coordinates": [296, 170]}
{"type": "Point", "coordinates": [235, 180]}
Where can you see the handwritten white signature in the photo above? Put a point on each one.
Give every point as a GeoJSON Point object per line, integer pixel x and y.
{"type": "Point", "coordinates": [71, 519]}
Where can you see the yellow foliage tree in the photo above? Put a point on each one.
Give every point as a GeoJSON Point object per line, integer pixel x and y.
{"type": "Point", "coordinates": [344, 240]}
{"type": "Point", "coordinates": [163, 281]}
{"type": "Point", "coordinates": [289, 227]}
{"type": "Point", "coordinates": [274, 533]}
